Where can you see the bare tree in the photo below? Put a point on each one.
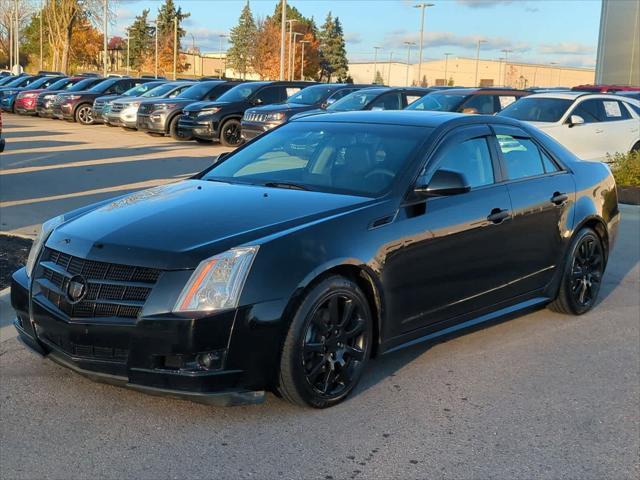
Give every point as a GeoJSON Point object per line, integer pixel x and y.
{"type": "Point", "coordinates": [8, 17]}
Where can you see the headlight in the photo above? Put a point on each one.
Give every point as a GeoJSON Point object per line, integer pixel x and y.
{"type": "Point", "coordinates": [47, 228]}
{"type": "Point", "coordinates": [49, 97]}
{"type": "Point", "coordinates": [208, 111]}
{"type": "Point", "coordinates": [274, 117]}
{"type": "Point", "coordinates": [161, 106]}
{"type": "Point", "coordinates": [132, 105]}
{"type": "Point", "coordinates": [71, 97]}
{"type": "Point", "coordinates": [10, 92]}
{"type": "Point", "coordinates": [217, 282]}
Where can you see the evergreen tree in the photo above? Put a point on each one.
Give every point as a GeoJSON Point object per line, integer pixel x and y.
{"type": "Point", "coordinates": [166, 15]}
{"type": "Point", "coordinates": [378, 79]}
{"type": "Point", "coordinates": [140, 40]}
{"type": "Point", "coordinates": [242, 40]}
{"type": "Point", "coordinates": [333, 51]}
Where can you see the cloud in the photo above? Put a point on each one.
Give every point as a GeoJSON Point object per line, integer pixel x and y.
{"type": "Point", "coordinates": [449, 39]}
{"type": "Point", "coordinates": [483, 3]}
{"type": "Point", "coordinates": [566, 48]}
{"type": "Point", "coordinates": [353, 38]}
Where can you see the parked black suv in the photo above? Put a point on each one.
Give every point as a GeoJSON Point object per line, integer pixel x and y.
{"type": "Point", "coordinates": [47, 98]}
{"type": "Point", "coordinates": [259, 120]}
{"type": "Point", "coordinates": [162, 116]}
{"type": "Point", "coordinates": [78, 106]}
{"type": "Point", "coordinates": [220, 120]}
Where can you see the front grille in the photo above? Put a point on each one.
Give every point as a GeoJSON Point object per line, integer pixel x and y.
{"type": "Point", "coordinates": [255, 117]}
{"type": "Point", "coordinates": [98, 105]}
{"type": "Point", "coordinates": [57, 100]}
{"type": "Point", "coordinates": [113, 290]}
{"type": "Point", "coordinates": [86, 351]}
{"type": "Point", "coordinates": [186, 121]}
{"type": "Point", "coordinates": [117, 107]}
{"type": "Point", "coordinates": [145, 108]}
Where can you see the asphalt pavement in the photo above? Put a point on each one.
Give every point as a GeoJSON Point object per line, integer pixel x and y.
{"type": "Point", "coordinates": [541, 396]}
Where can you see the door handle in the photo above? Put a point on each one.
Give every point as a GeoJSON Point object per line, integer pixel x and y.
{"type": "Point", "coordinates": [498, 216]}
{"type": "Point", "coordinates": [559, 198]}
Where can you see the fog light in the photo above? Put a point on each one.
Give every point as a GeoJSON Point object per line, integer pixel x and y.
{"type": "Point", "coordinates": [210, 360]}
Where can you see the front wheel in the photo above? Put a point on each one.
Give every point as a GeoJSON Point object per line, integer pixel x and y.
{"type": "Point", "coordinates": [327, 346]}
{"type": "Point", "coordinates": [84, 114]}
{"type": "Point", "coordinates": [582, 276]}
{"type": "Point", "coordinates": [230, 133]}
{"type": "Point", "coordinates": [174, 131]}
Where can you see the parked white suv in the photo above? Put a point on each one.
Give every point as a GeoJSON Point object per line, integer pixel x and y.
{"type": "Point", "coordinates": [592, 126]}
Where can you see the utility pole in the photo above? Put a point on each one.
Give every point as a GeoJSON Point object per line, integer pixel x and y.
{"type": "Point", "coordinates": [293, 55]}
{"type": "Point", "coordinates": [128, 51]}
{"type": "Point", "coordinates": [291, 22]}
{"type": "Point", "coordinates": [223, 73]}
{"type": "Point", "coordinates": [193, 54]}
{"type": "Point", "coordinates": [409, 45]}
{"type": "Point", "coordinates": [446, 64]}
{"type": "Point", "coordinates": [478, 60]}
{"type": "Point", "coordinates": [303, 43]}
{"type": "Point", "coordinates": [11, 43]}
{"type": "Point", "coordinates": [17, 36]}
{"type": "Point", "coordinates": [283, 36]}
{"type": "Point", "coordinates": [105, 7]}
{"type": "Point", "coordinates": [421, 6]}
{"type": "Point", "coordinates": [389, 72]}
{"type": "Point", "coordinates": [506, 52]}
{"type": "Point", "coordinates": [41, 57]}
{"type": "Point", "coordinates": [375, 63]}
{"type": "Point", "coordinates": [175, 47]}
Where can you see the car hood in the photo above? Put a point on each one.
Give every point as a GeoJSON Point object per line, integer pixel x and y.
{"type": "Point", "coordinates": [80, 92]}
{"type": "Point", "coordinates": [208, 104]}
{"type": "Point", "coordinates": [283, 107]}
{"type": "Point", "coordinates": [169, 101]}
{"type": "Point", "coordinates": [178, 225]}
{"type": "Point", "coordinates": [306, 113]}
{"type": "Point", "coordinates": [543, 125]}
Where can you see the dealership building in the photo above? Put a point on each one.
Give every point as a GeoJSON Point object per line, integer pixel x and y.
{"type": "Point", "coordinates": [462, 71]}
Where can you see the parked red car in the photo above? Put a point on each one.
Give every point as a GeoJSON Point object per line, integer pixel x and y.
{"type": "Point", "coordinates": [605, 88]}
{"type": "Point", "coordinates": [27, 101]}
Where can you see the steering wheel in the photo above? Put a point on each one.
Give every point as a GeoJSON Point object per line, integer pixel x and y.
{"type": "Point", "coordinates": [380, 171]}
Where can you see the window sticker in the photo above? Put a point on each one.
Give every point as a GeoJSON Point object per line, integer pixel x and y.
{"type": "Point", "coordinates": [506, 101]}
{"type": "Point", "coordinates": [612, 109]}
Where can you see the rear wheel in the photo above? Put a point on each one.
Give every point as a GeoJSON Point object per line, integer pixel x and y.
{"type": "Point", "coordinates": [84, 115]}
{"type": "Point", "coordinates": [582, 277]}
{"type": "Point", "coordinates": [230, 133]}
{"type": "Point", "coordinates": [327, 346]}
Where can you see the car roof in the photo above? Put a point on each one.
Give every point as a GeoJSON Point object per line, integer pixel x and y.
{"type": "Point", "coordinates": [573, 95]}
{"type": "Point", "coordinates": [414, 118]}
{"type": "Point", "coordinates": [471, 90]}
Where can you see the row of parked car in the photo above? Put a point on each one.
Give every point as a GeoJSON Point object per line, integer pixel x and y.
{"type": "Point", "coordinates": [232, 112]}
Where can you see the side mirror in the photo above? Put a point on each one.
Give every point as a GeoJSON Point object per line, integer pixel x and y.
{"type": "Point", "coordinates": [443, 183]}
{"type": "Point", "coordinates": [257, 101]}
{"type": "Point", "coordinates": [575, 120]}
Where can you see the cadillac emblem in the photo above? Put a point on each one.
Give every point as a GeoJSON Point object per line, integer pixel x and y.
{"type": "Point", "coordinates": [76, 289]}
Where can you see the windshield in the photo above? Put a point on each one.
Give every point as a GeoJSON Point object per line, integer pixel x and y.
{"type": "Point", "coordinates": [20, 82]}
{"type": "Point", "coordinates": [360, 159]}
{"type": "Point", "coordinates": [40, 82]}
{"type": "Point", "coordinates": [537, 109]}
{"type": "Point", "coordinates": [60, 84]}
{"type": "Point", "coordinates": [439, 102]}
{"type": "Point", "coordinates": [102, 86]}
{"type": "Point", "coordinates": [312, 95]}
{"type": "Point", "coordinates": [239, 92]}
{"type": "Point", "coordinates": [140, 89]}
{"type": "Point", "coordinates": [197, 91]}
{"type": "Point", "coordinates": [7, 80]}
{"type": "Point", "coordinates": [161, 90]}
{"type": "Point", "coordinates": [354, 101]}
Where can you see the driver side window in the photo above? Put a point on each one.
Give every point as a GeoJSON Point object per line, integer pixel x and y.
{"type": "Point", "coordinates": [471, 158]}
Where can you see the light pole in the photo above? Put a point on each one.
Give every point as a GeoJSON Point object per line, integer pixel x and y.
{"type": "Point", "coordinates": [11, 44]}
{"type": "Point", "coordinates": [193, 54]}
{"type": "Point", "coordinates": [375, 63]}
{"type": "Point", "coordinates": [105, 8]}
{"type": "Point", "coordinates": [41, 57]}
{"type": "Point", "coordinates": [222, 37]}
{"type": "Point", "coordinates": [409, 45]}
{"type": "Point", "coordinates": [156, 60]}
{"type": "Point", "coordinates": [421, 6]}
{"type": "Point", "coordinates": [389, 72]}
{"type": "Point", "coordinates": [290, 22]}
{"type": "Point", "coordinates": [303, 43]}
{"type": "Point", "coordinates": [17, 37]}
{"type": "Point", "coordinates": [478, 60]}
{"type": "Point", "coordinates": [128, 41]}
{"type": "Point", "coordinates": [506, 52]}
{"type": "Point", "coordinates": [446, 65]}
{"type": "Point", "coordinates": [283, 36]}
{"type": "Point", "coordinates": [293, 55]}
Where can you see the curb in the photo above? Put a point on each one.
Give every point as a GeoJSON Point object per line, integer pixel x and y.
{"type": "Point", "coordinates": [6, 316]}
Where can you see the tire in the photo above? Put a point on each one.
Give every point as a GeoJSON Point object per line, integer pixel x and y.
{"type": "Point", "coordinates": [230, 133]}
{"type": "Point", "coordinates": [174, 132]}
{"type": "Point", "coordinates": [582, 274]}
{"type": "Point", "coordinates": [83, 114]}
{"type": "Point", "coordinates": [636, 148]}
{"type": "Point", "coordinates": [331, 332]}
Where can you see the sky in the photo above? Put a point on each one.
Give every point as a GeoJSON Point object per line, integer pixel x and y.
{"type": "Point", "coordinates": [536, 31]}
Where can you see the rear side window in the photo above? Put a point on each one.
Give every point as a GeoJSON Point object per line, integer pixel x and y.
{"type": "Point", "coordinates": [591, 111]}
{"type": "Point", "coordinates": [472, 159]}
{"type": "Point", "coordinates": [270, 95]}
{"type": "Point", "coordinates": [388, 101]}
{"type": "Point", "coordinates": [615, 111]}
{"type": "Point", "coordinates": [480, 104]}
{"type": "Point", "coordinates": [412, 98]}
{"type": "Point", "coordinates": [505, 100]}
{"type": "Point", "coordinates": [523, 158]}
{"type": "Point", "coordinates": [341, 93]}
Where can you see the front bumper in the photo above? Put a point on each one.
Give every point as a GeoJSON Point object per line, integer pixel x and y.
{"type": "Point", "coordinates": [152, 122]}
{"type": "Point", "coordinates": [133, 354]}
{"type": "Point", "coordinates": [206, 129]}
{"type": "Point", "coordinates": [97, 116]}
{"type": "Point", "coordinates": [251, 130]}
{"type": "Point", "coordinates": [7, 103]}
{"type": "Point", "coordinates": [26, 110]}
{"type": "Point", "coordinates": [117, 120]}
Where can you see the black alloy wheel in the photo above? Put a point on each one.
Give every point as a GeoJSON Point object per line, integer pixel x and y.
{"type": "Point", "coordinates": [84, 114]}
{"type": "Point", "coordinates": [583, 273]}
{"type": "Point", "coordinates": [230, 133]}
{"type": "Point", "coordinates": [175, 132]}
{"type": "Point", "coordinates": [328, 344]}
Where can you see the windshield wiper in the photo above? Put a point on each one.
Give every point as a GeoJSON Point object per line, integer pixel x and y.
{"type": "Point", "coordinates": [292, 186]}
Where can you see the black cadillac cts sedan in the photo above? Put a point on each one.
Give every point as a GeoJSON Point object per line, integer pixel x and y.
{"type": "Point", "coordinates": [292, 261]}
